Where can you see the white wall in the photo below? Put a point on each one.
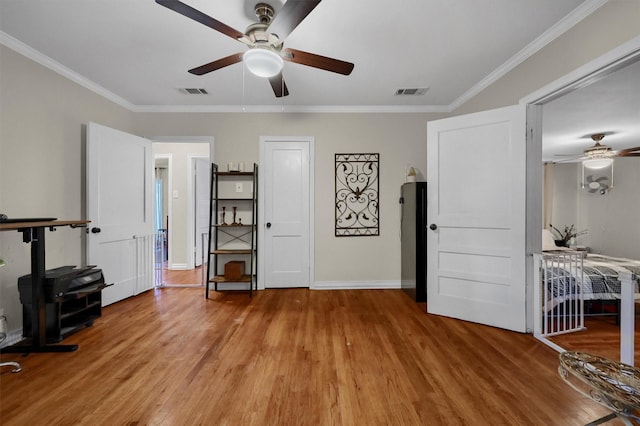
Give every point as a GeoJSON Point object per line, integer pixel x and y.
{"type": "Point", "coordinates": [611, 219]}
{"type": "Point", "coordinates": [42, 156]}
{"type": "Point", "coordinates": [608, 27]}
{"type": "Point", "coordinates": [399, 138]}
{"type": "Point", "coordinates": [564, 191]}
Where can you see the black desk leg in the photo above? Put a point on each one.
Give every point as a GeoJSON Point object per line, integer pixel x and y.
{"type": "Point", "coordinates": [38, 342]}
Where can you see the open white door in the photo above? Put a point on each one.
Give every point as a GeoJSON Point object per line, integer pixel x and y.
{"type": "Point", "coordinates": [286, 237]}
{"type": "Point", "coordinates": [119, 195]}
{"type": "Point", "coordinates": [476, 212]}
{"type": "Point", "coordinates": [202, 179]}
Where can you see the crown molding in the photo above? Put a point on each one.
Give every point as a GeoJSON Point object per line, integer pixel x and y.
{"type": "Point", "coordinates": [293, 108]}
{"type": "Point", "coordinates": [562, 26]}
{"type": "Point", "coordinates": [34, 55]}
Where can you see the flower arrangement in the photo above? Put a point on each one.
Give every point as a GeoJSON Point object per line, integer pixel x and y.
{"type": "Point", "coordinates": [569, 232]}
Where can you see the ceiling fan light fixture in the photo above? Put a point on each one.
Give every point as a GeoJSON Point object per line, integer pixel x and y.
{"type": "Point", "coordinates": [597, 163]}
{"type": "Point", "coordinates": [263, 62]}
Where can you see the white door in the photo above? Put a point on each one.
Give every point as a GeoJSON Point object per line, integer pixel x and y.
{"type": "Point", "coordinates": [476, 212]}
{"type": "Point", "coordinates": [202, 173]}
{"type": "Point", "coordinates": [119, 196]}
{"type": "Point", "coordinates": [287, 195]}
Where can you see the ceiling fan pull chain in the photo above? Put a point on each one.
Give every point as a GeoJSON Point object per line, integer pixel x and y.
{"type": "Point", "coordinates": [243, 103]}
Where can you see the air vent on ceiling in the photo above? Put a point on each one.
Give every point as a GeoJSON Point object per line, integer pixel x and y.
{"type": "Point", "coordinates": [193, 91]}
{"type": "Point", "coordinates": [419, 91]}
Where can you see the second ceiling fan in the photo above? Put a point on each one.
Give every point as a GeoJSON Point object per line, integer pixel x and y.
{"type": "Point", "coordinates": [598, 156]}
{"type": "Point", "coordinates": [265, 40]}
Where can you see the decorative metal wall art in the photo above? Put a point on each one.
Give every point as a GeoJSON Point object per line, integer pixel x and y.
{"type": "Point", "coordinates": [357, 187]}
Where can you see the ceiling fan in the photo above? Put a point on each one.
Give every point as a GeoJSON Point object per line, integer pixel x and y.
{"type": "Point", "coordinates": [265, 40]}
{"type": "Point", "coordinates": [599, 156]}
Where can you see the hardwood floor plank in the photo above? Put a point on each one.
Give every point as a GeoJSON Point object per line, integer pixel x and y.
{"type": "Point", "coordinates": [290, 357]}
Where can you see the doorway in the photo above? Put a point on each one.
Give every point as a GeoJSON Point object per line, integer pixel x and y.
{"type": "Point", "coordinates": [285, 222]}
{"type": "Point", "coordinates": [182, 179]}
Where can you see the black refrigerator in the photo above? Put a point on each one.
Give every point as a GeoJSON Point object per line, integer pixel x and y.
{"type": "Point", "coordinates": [413, 240]}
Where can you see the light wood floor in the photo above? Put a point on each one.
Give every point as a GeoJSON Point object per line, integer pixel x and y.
{"type": "Point", "coordinates": [290, 357]}
{"type": "Point", "coordinates": [601, 337]}
{"type": "Point", "coordinates": [179, 277]}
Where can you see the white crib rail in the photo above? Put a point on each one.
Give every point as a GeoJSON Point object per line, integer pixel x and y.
{"type": "Point", "coordinates": [558, 293]}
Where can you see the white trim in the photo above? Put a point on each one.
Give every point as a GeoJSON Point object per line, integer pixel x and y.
{"type": "Point", "coordinates": [574, 17]}
{"type": "Point", "coordinates": [45, 61]}
{"type": "Point", "coordinates": [191, 211]}
{"type": "Point", "coordinates": [582, 76]}
{"type": "Point", "coordinates": [178, 266]}
{"type": "Point", "coordinates": [190, 195]}
{"type": "Point", "coordinates": [355, 285]}
{"type": "Point", "coordinates": [169, 193]}
{"type": "Point", "coordinates": [295, 108]}
{"type": "Point", "coordinates": [186, 139]}
{"type": "Point", "coordinates": [562, 26]}
{"type": "Point", "coordinates": [312, 185]}
{"type": "Point", "coordinates": [549, 343]}
{"type": "Point", "coordinates": [586, 74]}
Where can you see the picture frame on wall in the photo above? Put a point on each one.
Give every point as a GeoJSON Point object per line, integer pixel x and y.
{"type": "Point", "coordinates": [357, 187]}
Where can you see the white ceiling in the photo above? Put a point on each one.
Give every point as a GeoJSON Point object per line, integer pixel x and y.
{"type": "Point", "coordinates": [141, 51]}
{"type": "Point", "coordinates": [610, 106]}
{"type": "Point", "coordinates": [137, 53]}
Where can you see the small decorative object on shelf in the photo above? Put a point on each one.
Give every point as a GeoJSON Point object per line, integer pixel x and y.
{"type": "Point", "coordinates": [223, 213]}
{"type": "Point", "coordinates": [411, 175]}
{"type": "Point", "coordinates": [235, 211]}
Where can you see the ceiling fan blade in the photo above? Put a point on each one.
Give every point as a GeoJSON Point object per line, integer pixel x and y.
{"type": "Point", "coordinates": [567, 160]}
{"type": "Point", "coordinates": [292, 13]}
{"type": "Point", "coordinates": [216, 65]}
{"type": "Point", "coordinates": [628, 152]}
{"type": "Point", "coordinates": [279, 86]}
{"type": "Point", "coordinates": [198, 16]}
{"type": "Point", "coordinates": [317, 61]}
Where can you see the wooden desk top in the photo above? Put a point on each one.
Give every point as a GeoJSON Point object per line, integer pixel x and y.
{"type": "Point", "coordinates": [52, 223]}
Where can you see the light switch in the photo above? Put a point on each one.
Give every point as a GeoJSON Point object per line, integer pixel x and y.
{"type": "Point", "coordinates": [175, 193]}
{"type": "Point", "coordinates": [239, 187]}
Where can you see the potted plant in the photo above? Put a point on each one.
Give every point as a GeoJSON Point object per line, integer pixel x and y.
{"type": "Point", "coordinates": [564, 237]}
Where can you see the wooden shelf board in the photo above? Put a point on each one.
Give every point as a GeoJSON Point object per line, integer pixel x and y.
{"type": "Point", "coordinates": [232, 251]}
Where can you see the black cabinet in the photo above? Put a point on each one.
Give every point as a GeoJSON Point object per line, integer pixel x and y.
{"type": "Point", "coordinates": [413, 237]}
{"type": "Point", "coordinates": [67, 315]}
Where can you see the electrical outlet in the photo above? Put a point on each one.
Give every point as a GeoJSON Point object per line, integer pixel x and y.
{"type": "Point", "coordinates": [239, 187]}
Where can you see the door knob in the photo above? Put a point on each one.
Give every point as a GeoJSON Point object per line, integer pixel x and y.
{"type": "Point", "coordinates": [433, 226]}
{"type": "Point", "coordinates": [268, 224]}
{"type": "Point", "coordinates": [95, 230]}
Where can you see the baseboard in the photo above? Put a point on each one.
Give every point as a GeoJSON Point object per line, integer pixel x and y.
{"type": "Point", "coordinates": [178, 267]}
{"type": "Point", "coordinates": [355, 285]}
